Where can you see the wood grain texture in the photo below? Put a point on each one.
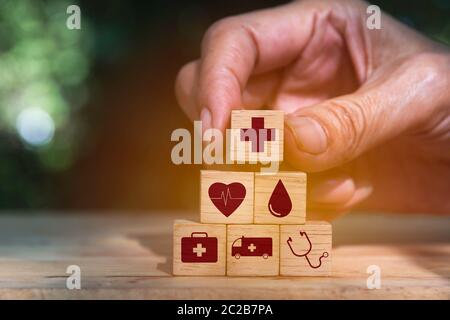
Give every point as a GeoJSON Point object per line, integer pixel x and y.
{"type": "Point", "coordinates": [319, 234]}
{"type": "Point", "coordinates": [295, 184]}
{"type": "Point", "coordinates": [190, 230]}
{"type": "Point", "coordinates": [241, 150]}
{"type": "Point", "coordinates": [209, 212]}
{"type": "Point", "coordinates": [247, 239]}
{"type": "Point", "coordinates": [127, 255]}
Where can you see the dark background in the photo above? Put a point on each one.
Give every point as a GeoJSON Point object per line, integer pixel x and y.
{"type": "Point", "coordinates": [111, 150]}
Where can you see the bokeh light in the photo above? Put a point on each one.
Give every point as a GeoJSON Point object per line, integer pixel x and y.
{"type": "Point", "coordinates": [35, 126]}
{"type": "Point", "coordinates": [44, 64]}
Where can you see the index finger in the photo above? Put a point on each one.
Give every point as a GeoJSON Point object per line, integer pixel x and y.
{"type": "Point", "coordinates": [236, 47]}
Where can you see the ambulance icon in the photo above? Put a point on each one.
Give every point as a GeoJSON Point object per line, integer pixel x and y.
{"type": "Point", "coordinates": [199, 247]}
{"type": "Point", "coordinates": [251, 247]}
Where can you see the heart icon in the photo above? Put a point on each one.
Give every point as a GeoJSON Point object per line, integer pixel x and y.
{"type": "Point", "coordinates": [227, 198]}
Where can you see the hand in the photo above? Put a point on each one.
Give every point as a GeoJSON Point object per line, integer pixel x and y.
{"type": "Point", "coordinates": [368, 111]}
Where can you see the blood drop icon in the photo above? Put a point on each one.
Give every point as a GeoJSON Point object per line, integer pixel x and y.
{"type": "Point", "coordinates": [280, 204]}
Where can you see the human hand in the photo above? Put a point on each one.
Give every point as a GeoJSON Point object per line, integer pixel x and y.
{"type": "Point", "coordinates": [368, 111]}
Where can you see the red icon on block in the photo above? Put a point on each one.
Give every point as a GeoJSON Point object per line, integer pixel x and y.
{"type": "Point", "coordinates": [251, 247]}
{"type": "Point", "coordinates": [258, 134]}
{"type": "Point", "coordinates": [305, 254]}
{"type": "Point", "coordinates": [199, 249]}
{"type": "Point", "coordinates": [280, 204]}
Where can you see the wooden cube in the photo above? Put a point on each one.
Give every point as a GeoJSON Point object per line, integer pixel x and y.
{"type": "Point", "coordinates": [280, 198]}
{"type": "Point", "coordinates": [253, 250]}
{"type": "Point", "coordinates": [226, 197]}
{"type": "Point", "coordinates": [199, 249]}
{"type": "Point", "coordinates": [257, 135]}
{"type": "Point", "coordinates": [305, 250]}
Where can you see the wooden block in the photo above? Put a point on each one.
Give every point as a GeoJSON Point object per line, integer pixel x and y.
{"type": "Point", "coordinates": [199, 249]}
{"type": "Point", "coordinates": [257, 135]}
{"type": "Point", "coordinates": [226, 197]}
{"type": "Point", "coordinates": [305, 250]}
{"type": "Point", "coordinates": [280, 198]}
{"type": "Point", "coordinates": [253, 250]}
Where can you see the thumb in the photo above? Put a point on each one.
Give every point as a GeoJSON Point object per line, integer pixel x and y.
{"type": "Point", "coordinates": [336, 131]}
{"type": "Point", "coordinates": [327, 135]}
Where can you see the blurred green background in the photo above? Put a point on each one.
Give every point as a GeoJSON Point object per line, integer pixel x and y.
{"type": "Point", "coordinates": [86, 115]}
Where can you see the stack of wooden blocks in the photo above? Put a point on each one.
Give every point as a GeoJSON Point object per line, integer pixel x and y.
{"type": "Point", "coordinates": [252, 223]}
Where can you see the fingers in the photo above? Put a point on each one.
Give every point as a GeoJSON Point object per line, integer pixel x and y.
{"type": "Point", "coordinates": [338, 130]}
{"type": "Point", "coordinates": [236, 48]}
{"type": "Point", "coordinates": [331, 191]}
{"type": "Point", "coordinates": [257, 93]}
{"type": "Point", "coordinates": [336, 192]}
{"type": "Point", "coordinates": [331, 212]}
{"type": "Point", "coordinates": [186, 89]}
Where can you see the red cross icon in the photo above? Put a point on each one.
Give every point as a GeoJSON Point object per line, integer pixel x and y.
{"type": "Point", "coordinates": [260, 134]}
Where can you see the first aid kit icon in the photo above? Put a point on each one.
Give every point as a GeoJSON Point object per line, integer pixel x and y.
{"type": "Point", "coordinates": [199, 247]}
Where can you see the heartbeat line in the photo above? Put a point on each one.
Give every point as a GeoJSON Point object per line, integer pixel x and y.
{"type": "Point", "coordinates": [226, 197]}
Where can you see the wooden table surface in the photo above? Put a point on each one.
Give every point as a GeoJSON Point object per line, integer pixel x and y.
{"type": "Point", "coordinates": [128, 256]}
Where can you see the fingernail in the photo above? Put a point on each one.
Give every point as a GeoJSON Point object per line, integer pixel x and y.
{"type": "Point", "coordinates": [361, 193]}
{"type": "Point", "coordinates": [205, 117]}
{"type": "Point", "coordinates": [309, 135]}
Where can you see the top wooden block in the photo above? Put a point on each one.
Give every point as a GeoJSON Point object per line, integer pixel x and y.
{"type": "Point", "coordinates": [257, 135]}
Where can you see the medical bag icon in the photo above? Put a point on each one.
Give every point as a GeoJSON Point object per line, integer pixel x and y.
{"type": "Point", "coordinates": [199, 248]}
{"type": "Point", "coordinates": [305, 254]}
{"type": "Point", "coordinates": [251, 247]}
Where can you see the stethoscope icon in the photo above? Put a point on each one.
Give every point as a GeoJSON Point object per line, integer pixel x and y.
{"type": "Point", "coordinates": [324, 255]}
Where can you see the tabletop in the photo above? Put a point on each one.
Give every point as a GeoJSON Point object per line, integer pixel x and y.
{"type": "Point", "coordinates": [128, 256]}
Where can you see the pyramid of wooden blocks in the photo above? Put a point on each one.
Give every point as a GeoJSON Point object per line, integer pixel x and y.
{"type": "Point", "coordinates": [253, 224]}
